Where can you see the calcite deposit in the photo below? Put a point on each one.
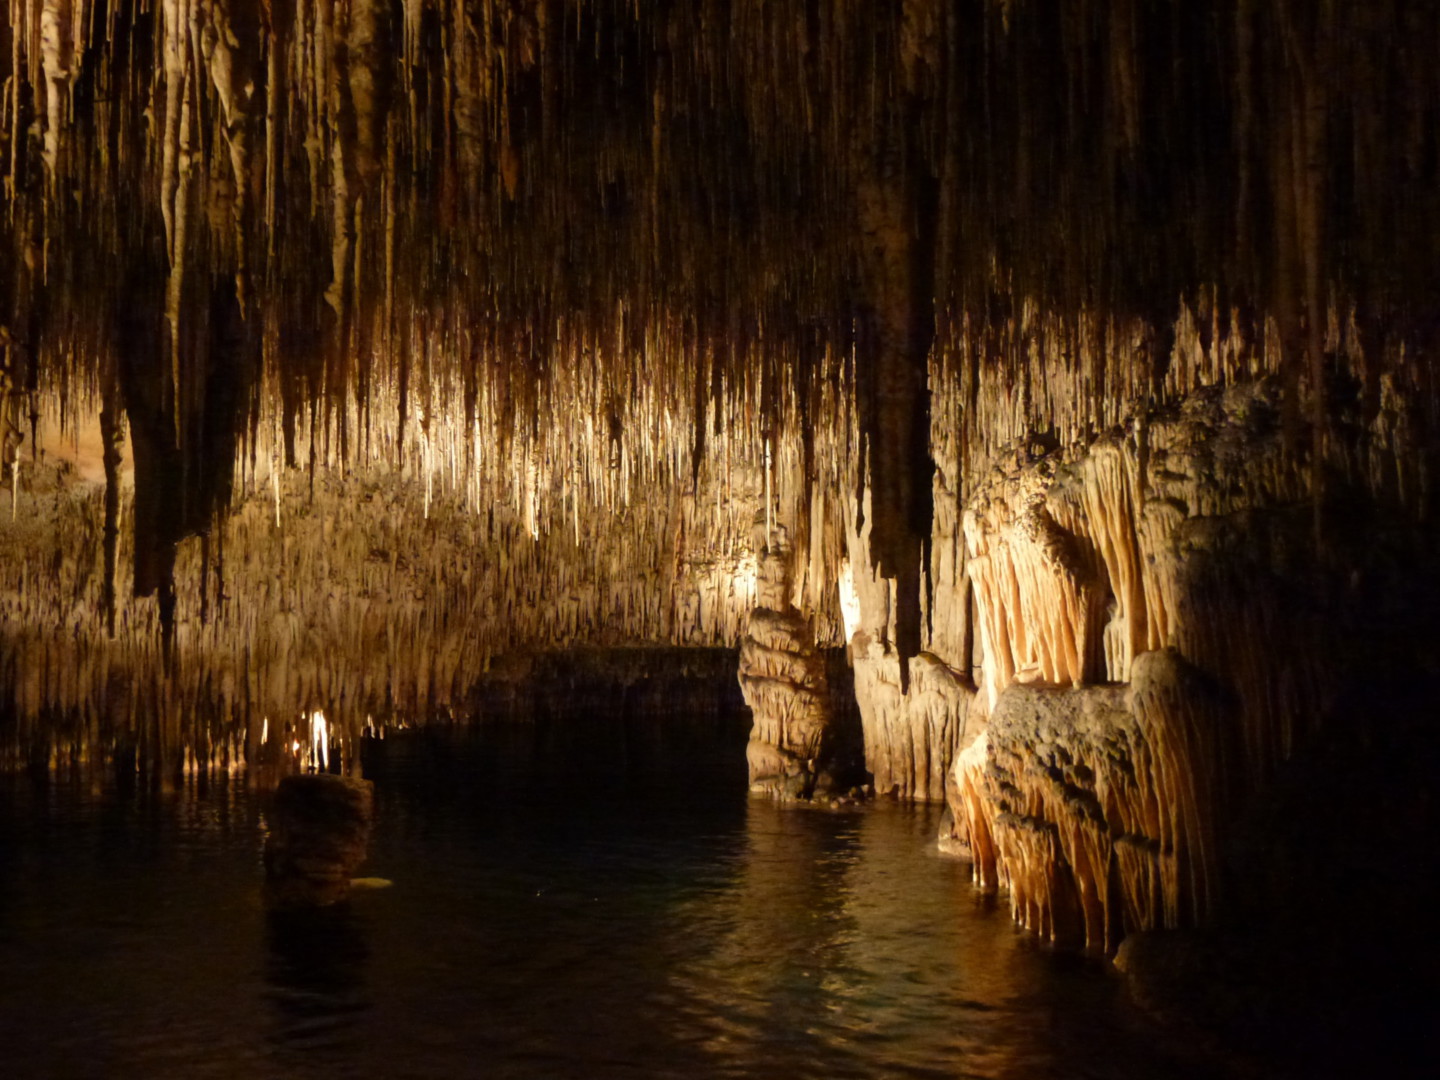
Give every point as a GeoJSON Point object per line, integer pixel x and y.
{"type": "Point", "coordinates": [1106, 788]}
{"type": "Point", "coordinates": [911, 735]}
{"type": "Point", "coordinates": [793, 748]}
{"type": "Point", "coordinates": [353, 350]}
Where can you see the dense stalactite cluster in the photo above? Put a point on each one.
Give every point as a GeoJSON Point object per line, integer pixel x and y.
{"type": "Point", "coordinates": [352, 596]}
{"type": "Point", "coordinates": [346, 345]}
{"type": "Point", "coordinates": [733, 195]}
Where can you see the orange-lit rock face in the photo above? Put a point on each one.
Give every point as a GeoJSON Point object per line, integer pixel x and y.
{"type": "Point", "coordinates": [1095, 808]}
{"type": "Point", "coordinates": [1106, 789]}
{"type": "Point", "coordinates": [782, 677]}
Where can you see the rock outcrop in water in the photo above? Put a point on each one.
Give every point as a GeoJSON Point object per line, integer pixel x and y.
{"type": "Point", "coordinates": [792, 748]}
{"type": "Point", "coordinates": [317, 835]}
{"type": "Point", "coordinates": [1160, 634]}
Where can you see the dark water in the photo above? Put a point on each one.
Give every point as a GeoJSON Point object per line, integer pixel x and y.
{"type": "Point", "coordinates": [592, 903]}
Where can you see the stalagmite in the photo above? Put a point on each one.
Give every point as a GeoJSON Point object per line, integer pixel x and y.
{"type": "Point", "coordinates": [793, 750]}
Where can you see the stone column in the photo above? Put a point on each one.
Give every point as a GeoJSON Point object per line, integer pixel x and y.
{"type": "Point", "coordinates": [319, 833]}
{"type": "Point", "coordinates": [782, 677]}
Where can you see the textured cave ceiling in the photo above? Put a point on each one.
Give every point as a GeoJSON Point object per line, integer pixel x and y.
{"type": "Point", "coordinates": [618, 232]}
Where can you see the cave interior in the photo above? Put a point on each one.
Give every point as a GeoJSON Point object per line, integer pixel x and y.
{"type": "Point", "coordinates": [1029, 408]}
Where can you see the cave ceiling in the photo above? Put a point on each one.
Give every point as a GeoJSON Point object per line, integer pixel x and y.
{"type": "Point", "coordinates": [358, 232]}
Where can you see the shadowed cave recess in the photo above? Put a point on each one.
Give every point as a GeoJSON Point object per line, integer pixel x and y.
{"type": "Point", "coordinates": [1061, 377]}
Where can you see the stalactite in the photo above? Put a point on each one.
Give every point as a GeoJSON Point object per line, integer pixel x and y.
{"type": "Point", "coordinates": [230, 45]}
{"type": "Point", "coordinates": [590, 259]}
{"type": "Point", "coordinates": [111, 456]}
{"type": "Point", "coordinates": [56, 53]}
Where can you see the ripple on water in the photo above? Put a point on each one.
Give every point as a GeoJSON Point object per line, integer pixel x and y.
{"type": "Point", "coordinates": [532, 928]}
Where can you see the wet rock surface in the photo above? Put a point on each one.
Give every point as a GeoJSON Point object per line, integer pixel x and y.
{"type": "Point", "coordinates": [794, 752]}
{"type": "Point", "coordinates": [319, 834]}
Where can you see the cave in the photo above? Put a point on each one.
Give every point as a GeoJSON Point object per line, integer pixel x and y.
{"type": "Point", "coordinates": [972, 450]}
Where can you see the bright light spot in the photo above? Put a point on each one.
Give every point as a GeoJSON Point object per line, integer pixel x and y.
{"type": "Point", "coordinates": [849, 600]}
{"type": "Point", "coordinates": [769, 523]}
{"type": "Point", "coordinates": [265, 731]}
{"type": "Point", "coordinates": [532, 498]}
{"type": "Point", "coordinates": [319, 741]}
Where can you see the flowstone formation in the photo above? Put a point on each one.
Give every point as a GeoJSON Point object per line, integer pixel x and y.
{"type": "Point", "coordinates": [1159, 633]}
{"type": "Point", "coordinates": [913, 733]}
{"type": "Point", "coordinates": [792, 751]}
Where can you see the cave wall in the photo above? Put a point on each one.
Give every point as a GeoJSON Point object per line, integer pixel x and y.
{"type": "Point", "coordinates": [1166, 619]}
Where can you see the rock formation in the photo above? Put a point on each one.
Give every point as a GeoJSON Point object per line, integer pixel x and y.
{"type": "Point", "coordinates": [1154, 631]}
{"type": "Point", "coordinates": [793, 745]}
{"type": "Point", "coordinates": [317, 835]}
{"type": "Point", "coordinates": [1087, 351]}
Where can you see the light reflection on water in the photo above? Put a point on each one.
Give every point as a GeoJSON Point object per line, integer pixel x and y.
{"type": "Point", "coordinates": [559, 909]}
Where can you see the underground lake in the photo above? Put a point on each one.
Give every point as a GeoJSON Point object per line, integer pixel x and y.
{"type": "Point", "coordinates": [592, 900]}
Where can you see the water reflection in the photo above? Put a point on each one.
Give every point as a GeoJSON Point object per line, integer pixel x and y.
{"type": "Point", "coordinates": [315, 978]}
{"type": "Point", "coordinates": [836, 950]}
{"type": "Point", "coordinates": [758, 997]}
{"type": "Point", "coordinates": [550, 917]}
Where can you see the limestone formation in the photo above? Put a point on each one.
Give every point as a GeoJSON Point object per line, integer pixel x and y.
{"type": "Point", "coordinates": [1103, 795]}
{"type": "Point", "coordinates": [1087, 351]}
{"type": "Point", "coordinates": [792, 748]}
{"type": "Point", "coordinates": [911, 736]}
{"type": "Point", "coordinates": [317, 835]}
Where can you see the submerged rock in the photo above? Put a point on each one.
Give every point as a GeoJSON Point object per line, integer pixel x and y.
{"type": "Point", "coordinates": [319, 834]}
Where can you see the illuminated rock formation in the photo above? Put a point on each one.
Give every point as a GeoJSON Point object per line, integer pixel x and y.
{"type": "Point", "coordinates": [1088, 352]}
{"type": "Point", "coordinates": [792, 746]}
{"type": "Point", "coordinates": [1095, 808]}
{"type": "Point", "coordinates": [911, 733]}
{"type": "Point", "coordinates": [911, 737]}
{"type": "Point", "coordinates": [1110, 808]}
